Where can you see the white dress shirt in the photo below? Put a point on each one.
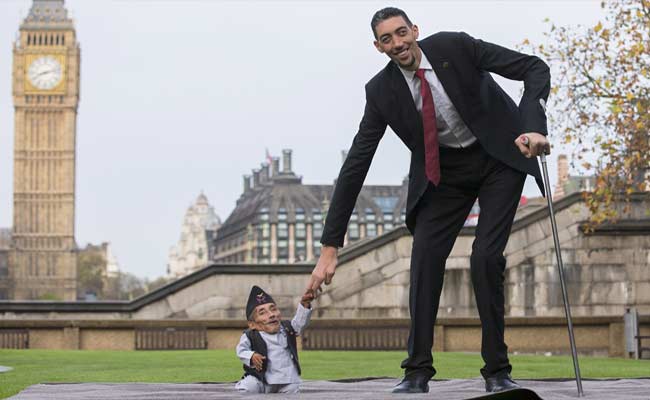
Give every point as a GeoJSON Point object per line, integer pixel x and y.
{"type": "Point", "coordinates": [280, 368]}
{"type": "Point", "coordinates": [452, 131]}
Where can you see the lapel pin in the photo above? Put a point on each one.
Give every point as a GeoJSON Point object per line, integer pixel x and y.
{"type": "Point", "coordinates": [445, 64]}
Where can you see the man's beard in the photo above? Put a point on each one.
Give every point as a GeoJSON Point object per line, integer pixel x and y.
{"type": "Point", "coordinates": [410, 64]}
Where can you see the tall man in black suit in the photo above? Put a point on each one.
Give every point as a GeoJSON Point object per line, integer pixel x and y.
{"type": "Point", "coordinates": [468, 140]}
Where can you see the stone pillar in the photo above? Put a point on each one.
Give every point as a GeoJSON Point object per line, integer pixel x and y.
{"type": "Point", "coordinates": [274, 243]}
{"type": "Point", "coordinates": [292, 243]}
{"type": "Point", "coordinates": [309, 244]}
{"type": "Point", "coordinates": [251, 247]}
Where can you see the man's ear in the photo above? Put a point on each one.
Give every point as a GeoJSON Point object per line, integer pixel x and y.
{"type": "Point", "coordinates": [416, 31]}
{"type": "Point", "coordinates": [252, 325]}
{"type": "Point", "coordinates": [378, 46]}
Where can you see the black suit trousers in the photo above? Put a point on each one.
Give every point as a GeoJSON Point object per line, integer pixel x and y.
{"type": "Point", "coordinates": [466, 174]}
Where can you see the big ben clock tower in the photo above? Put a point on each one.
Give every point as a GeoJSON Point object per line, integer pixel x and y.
{"type": "Point", "coordinates": [46, 94]}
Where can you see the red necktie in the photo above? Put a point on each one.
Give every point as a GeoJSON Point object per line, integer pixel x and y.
{"type": "Point", "coordinates": [431, 150]}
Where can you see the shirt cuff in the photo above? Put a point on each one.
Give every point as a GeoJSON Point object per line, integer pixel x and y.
{"type": "Point", "coordinates": [301, 319]}
{"type": "Point", "coordinates": [245, 357]}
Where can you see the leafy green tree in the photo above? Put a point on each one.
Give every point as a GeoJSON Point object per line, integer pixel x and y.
{"type": "Point", "coordinates": [90, 274]}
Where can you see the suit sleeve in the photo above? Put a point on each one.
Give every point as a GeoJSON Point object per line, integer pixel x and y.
{"type": "Point", "coordinates": [353, 173]}
{"type": "Point", "coordinates": [516, 66]}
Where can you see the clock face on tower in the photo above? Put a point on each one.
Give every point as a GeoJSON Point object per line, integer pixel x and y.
{"type": "Point", "coordinates": [45, 73]}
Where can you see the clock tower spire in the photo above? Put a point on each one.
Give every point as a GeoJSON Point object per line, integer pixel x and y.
{"type": "Point", "coordinates": [46, 95]}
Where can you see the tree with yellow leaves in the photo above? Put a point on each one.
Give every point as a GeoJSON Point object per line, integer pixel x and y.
{"type": "Point", "coordinates": [600, 102]}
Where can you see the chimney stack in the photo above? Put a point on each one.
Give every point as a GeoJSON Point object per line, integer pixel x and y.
{"type": "Point", "coordinates": [275, 171]}
{"type": "Point", "coordinates": [256, 178]}
{"type": "Point", "coordinates": [562, 176]}
{"type": "Point", "coordinates": [247, 183]}
{"type": "Point", "coordinates": [264, 173]}
{"type": "Point", "coordinates": [286, 161]}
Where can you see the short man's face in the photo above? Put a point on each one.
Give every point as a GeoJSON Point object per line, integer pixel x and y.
{"type": "Point", "coordinates": [266, 318]}
{"type": "Point", "coordinates": [398, 41]}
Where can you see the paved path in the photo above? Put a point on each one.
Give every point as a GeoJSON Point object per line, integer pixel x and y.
{"type": "Point", "coordinates": [455, 389]}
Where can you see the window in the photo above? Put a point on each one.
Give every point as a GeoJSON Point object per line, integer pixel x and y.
{"type": "Point", "coordinates": [283, 230]}
{"type": "Point", "coordinates": [4, 268]}
{"type": "Point", "coordinates": [317, 215]}
{"type": "Point", "coordinates": [301, 231]}
{"type": "Point", "coordinates": [266, 230]}
{"type": "Point", "coordinates": [283, 251]}
{"type": "Point", "coordinates": [353, 231]}
{"type": "Point", "coordinates": [386, 203]}
{"type": "Point", "coordinates": [388, 226]}
{"type": "Point", "coordinates": [388, 217]}
{"type": "Point", "coordinates": [317, 230]}
{"type": "Point", "coordinates": [263, 249]}
{"type": "Point", "coordinates": [317, 247]}
{"type": "Point", "coordinates": [282, 214]}
{"type": "Point", "coordinates": [301, 250]}
{"type": "Point", "coordinates": [300, 214]}
{"type": "Point", "coordinates": [371, 230]}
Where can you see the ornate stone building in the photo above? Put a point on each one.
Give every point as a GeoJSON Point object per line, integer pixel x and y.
{"type": "Point", "coordinates": [46, 95]}
{"type": "Point", "coordinates": [278, 219]}
{"type": "Point", "coordinates": [192, 251]}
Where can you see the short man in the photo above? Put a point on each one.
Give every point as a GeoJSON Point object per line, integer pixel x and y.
{"type": "Point", "coordinates": [268, 348]}
{"type": "Point", "coordinates": [468, 140]}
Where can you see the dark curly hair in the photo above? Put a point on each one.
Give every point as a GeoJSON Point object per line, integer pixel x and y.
{"type": "Point", "coordinates": [384, 14]}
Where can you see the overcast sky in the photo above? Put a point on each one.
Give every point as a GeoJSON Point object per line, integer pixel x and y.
{"type": "Point", "coordinates": [183, 96]}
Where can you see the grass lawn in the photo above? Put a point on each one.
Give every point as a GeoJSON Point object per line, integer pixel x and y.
{"type": "Point", "coordinates": [36, 366]}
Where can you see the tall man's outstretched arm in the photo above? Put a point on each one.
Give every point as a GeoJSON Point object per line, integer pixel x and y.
{"type": "Point", "coordinates": [521, 67]}
{"type": "Point", "coordinates": [348, 185]}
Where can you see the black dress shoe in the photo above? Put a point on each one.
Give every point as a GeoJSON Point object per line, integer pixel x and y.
{"type": "Point", "coordinates": [500, 383]}
{"type": "Point", "coordinates": [413, 384]}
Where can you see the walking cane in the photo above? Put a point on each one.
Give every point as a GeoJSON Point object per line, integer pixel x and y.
{"type": "Point", "coordinates": [560, 266]}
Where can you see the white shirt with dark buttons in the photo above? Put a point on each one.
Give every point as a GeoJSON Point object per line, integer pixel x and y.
{"type": "Point", "coordinates": [280, 367]}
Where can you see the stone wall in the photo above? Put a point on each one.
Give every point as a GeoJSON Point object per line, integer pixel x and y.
{"type": "Point", "coordinates": [606, 271]}
{"type": "Point", "coordinates": [602, 336]}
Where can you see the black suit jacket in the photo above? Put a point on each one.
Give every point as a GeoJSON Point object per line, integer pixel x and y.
{"type": "Point", "coordinates": [463, 65]}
